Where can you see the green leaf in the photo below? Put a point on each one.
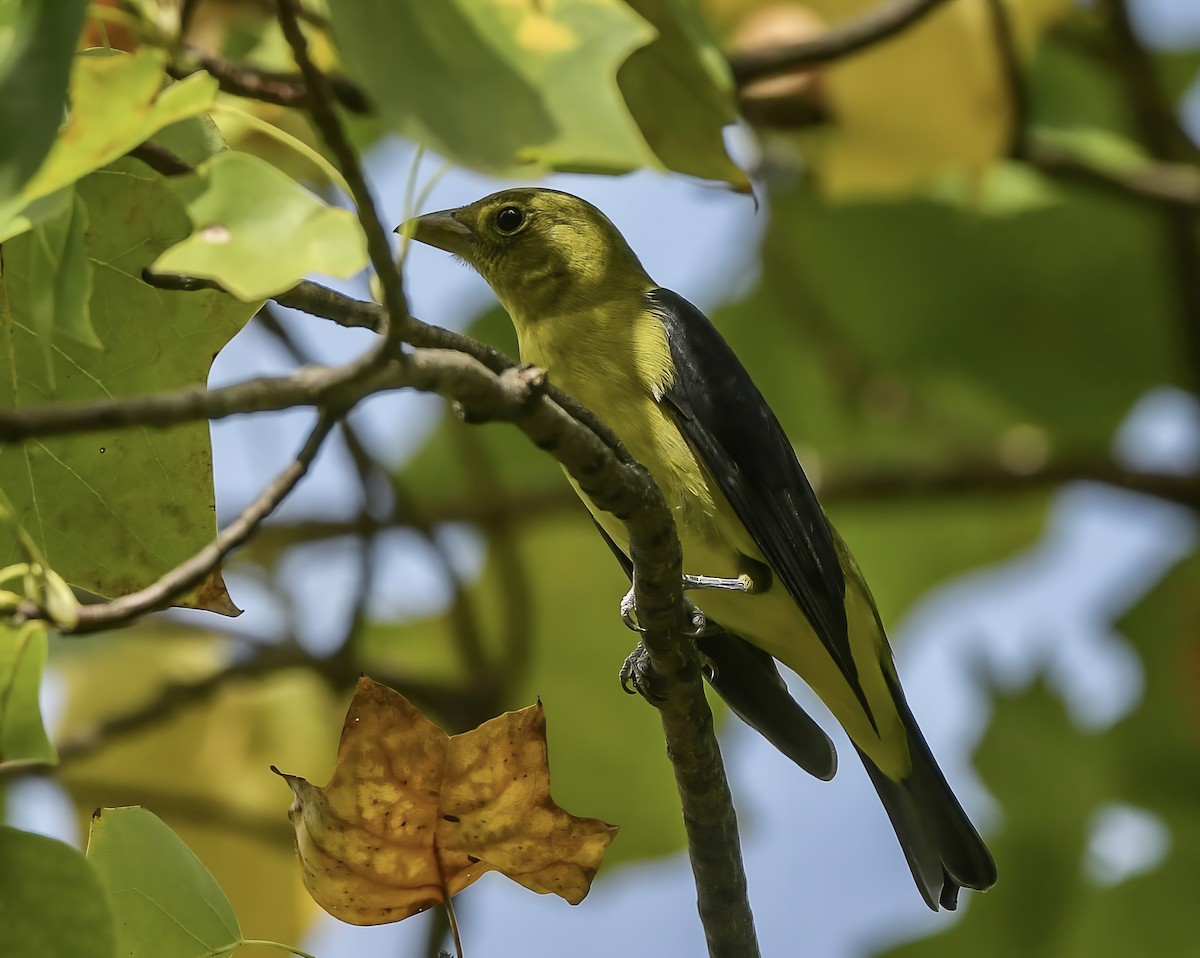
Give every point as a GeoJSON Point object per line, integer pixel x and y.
{"type": "Point", "coordinates": [117, 102]}
{"type": "Point", "coordinates": [23, 739]}
{"type": "Point", "coordinates": [60, 282]}
{"type": "Point", "coordinates": [34, 71]}
{"type": "Point", "coordinates": [258, 231]}
{"type": "Point", "coordinates": [51, 901]}
{"type": "Point", "coordinates": [165, 902]}
{"type": "Point", "coordinates": [509, 88]}
{"type": "Point", "coordinates": [29, 215]}
{"type": "Point", "coordinates": [111, 511]}
{"type": "Point", "coordinates": [681, 93]}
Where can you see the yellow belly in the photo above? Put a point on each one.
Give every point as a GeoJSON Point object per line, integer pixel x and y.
{"type": "Point", "coordinates": [621, 390]}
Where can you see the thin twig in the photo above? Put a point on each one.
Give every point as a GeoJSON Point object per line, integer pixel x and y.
{"type": "Point", "coordinates": [267, 86]}
{"type": "Point", "coordinates": [864, 31]}
{"type": "Point", "coordinates": [320, 106]}
{"type": "Point", "coordinates": [190, 573]}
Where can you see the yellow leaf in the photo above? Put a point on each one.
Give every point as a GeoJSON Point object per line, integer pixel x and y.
{"type": "Point", "coordinates": [202, 767]}
{"type": "Point", "coordinates": [413, 816]}
{"type": "Point", "coordinates": [930, 101]}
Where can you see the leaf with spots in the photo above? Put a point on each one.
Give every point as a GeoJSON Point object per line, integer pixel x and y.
{"type": "Point", "coordinates": [258, 231]}
{"type": "Point", "coordinates": [111, 511]}
{"type": "Point", "coordinates": [413, 816]}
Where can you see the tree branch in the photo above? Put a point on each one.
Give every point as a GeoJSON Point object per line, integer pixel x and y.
{"type": "Point", "coordinates": [281, 89]}
{"type": "Point", "coordinates": [321, 107]}
{"type": "Point", "coordinates": [862, 32]}
{"type": "Point", "coordinates": [193, 571]}
{"type": "Point", "coordinates": [310, 386]}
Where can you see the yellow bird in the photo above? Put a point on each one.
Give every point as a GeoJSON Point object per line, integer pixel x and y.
{"type": "Point", "coordinates": [775, 574]}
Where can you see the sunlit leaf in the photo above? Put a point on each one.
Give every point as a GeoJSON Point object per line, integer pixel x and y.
{"type": "Point", "coordinates": [164, 901]}
{"type": "Point", "coordinates": [509, 88]}
{"type": "Point", "coordinates": [258, 232]}
{"type": "Point", "coordinates": [680, 92]}
{"type": "Point", "coordinates": [34, 71]}
{"type": "Point", "coordinates": [117, 102]}
{"type": "Point", "coordinates": [23, 738]}
{"type": "Point", "coordinates": [413, 816]}
{"type": "Point", "coordinates": [51, 901]}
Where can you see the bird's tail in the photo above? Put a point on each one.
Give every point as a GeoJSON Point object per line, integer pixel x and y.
{"type": "Point", "coordinates": [943, 849]}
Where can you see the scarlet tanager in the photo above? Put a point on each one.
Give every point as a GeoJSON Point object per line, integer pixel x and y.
{"type": "Point", "coordinates": [776, 575]}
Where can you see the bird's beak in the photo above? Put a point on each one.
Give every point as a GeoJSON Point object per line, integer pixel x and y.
{"type": "Point", "coordinates": [443, 230]}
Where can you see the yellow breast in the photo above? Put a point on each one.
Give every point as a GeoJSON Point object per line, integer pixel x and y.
{"type": "Point", "coordinates": [619, 366]}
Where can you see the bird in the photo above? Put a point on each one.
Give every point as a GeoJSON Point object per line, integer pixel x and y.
{"type": "Point", "coordinates": [775, 582]}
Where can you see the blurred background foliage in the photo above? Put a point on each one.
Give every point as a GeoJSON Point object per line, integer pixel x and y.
{"type": "Point", "coordinates": [980, 251]}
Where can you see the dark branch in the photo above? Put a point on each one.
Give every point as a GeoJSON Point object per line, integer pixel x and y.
{"type": "Point", "coordinates": [864, 31]}
{"type": "Point", "coordinates": [321, 108]}
{"type": "Point", "coordinates": [282, 89]}
{"type": "Point", "coordinates": [160, 159]}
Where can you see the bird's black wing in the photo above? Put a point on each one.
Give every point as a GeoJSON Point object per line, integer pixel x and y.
{"type": "Point", "coordinates": [737, 437]}
{"type": "Point", "coordinates": [747, 679]}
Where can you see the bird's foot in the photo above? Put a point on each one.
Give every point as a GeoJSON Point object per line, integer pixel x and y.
{"type": "Point", "coordinates": [697, 622]}
{"type": "Point", "coordinates": [638, 676]}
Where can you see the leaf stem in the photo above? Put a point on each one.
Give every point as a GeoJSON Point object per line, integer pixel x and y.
{"type": "Point", "coordinates": [267, 943]}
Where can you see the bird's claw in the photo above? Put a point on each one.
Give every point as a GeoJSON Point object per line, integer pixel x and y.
{"type": "Point", "coordinates": [629, 617]}
{"type": "Point", "coordinates": [697, 621]}
{"type": "Point", "coordinates": [638, 676]}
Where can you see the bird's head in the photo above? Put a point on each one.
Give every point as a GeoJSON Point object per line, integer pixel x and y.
{"type": "Point", "coordinates": [543, 252]}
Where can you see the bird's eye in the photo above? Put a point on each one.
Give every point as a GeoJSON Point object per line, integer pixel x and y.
{"type": "Point", "coordinates": [509, 220]}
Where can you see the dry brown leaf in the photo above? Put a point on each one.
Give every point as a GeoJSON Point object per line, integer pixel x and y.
{"type": "Point", "coordinates": [413, 815]}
